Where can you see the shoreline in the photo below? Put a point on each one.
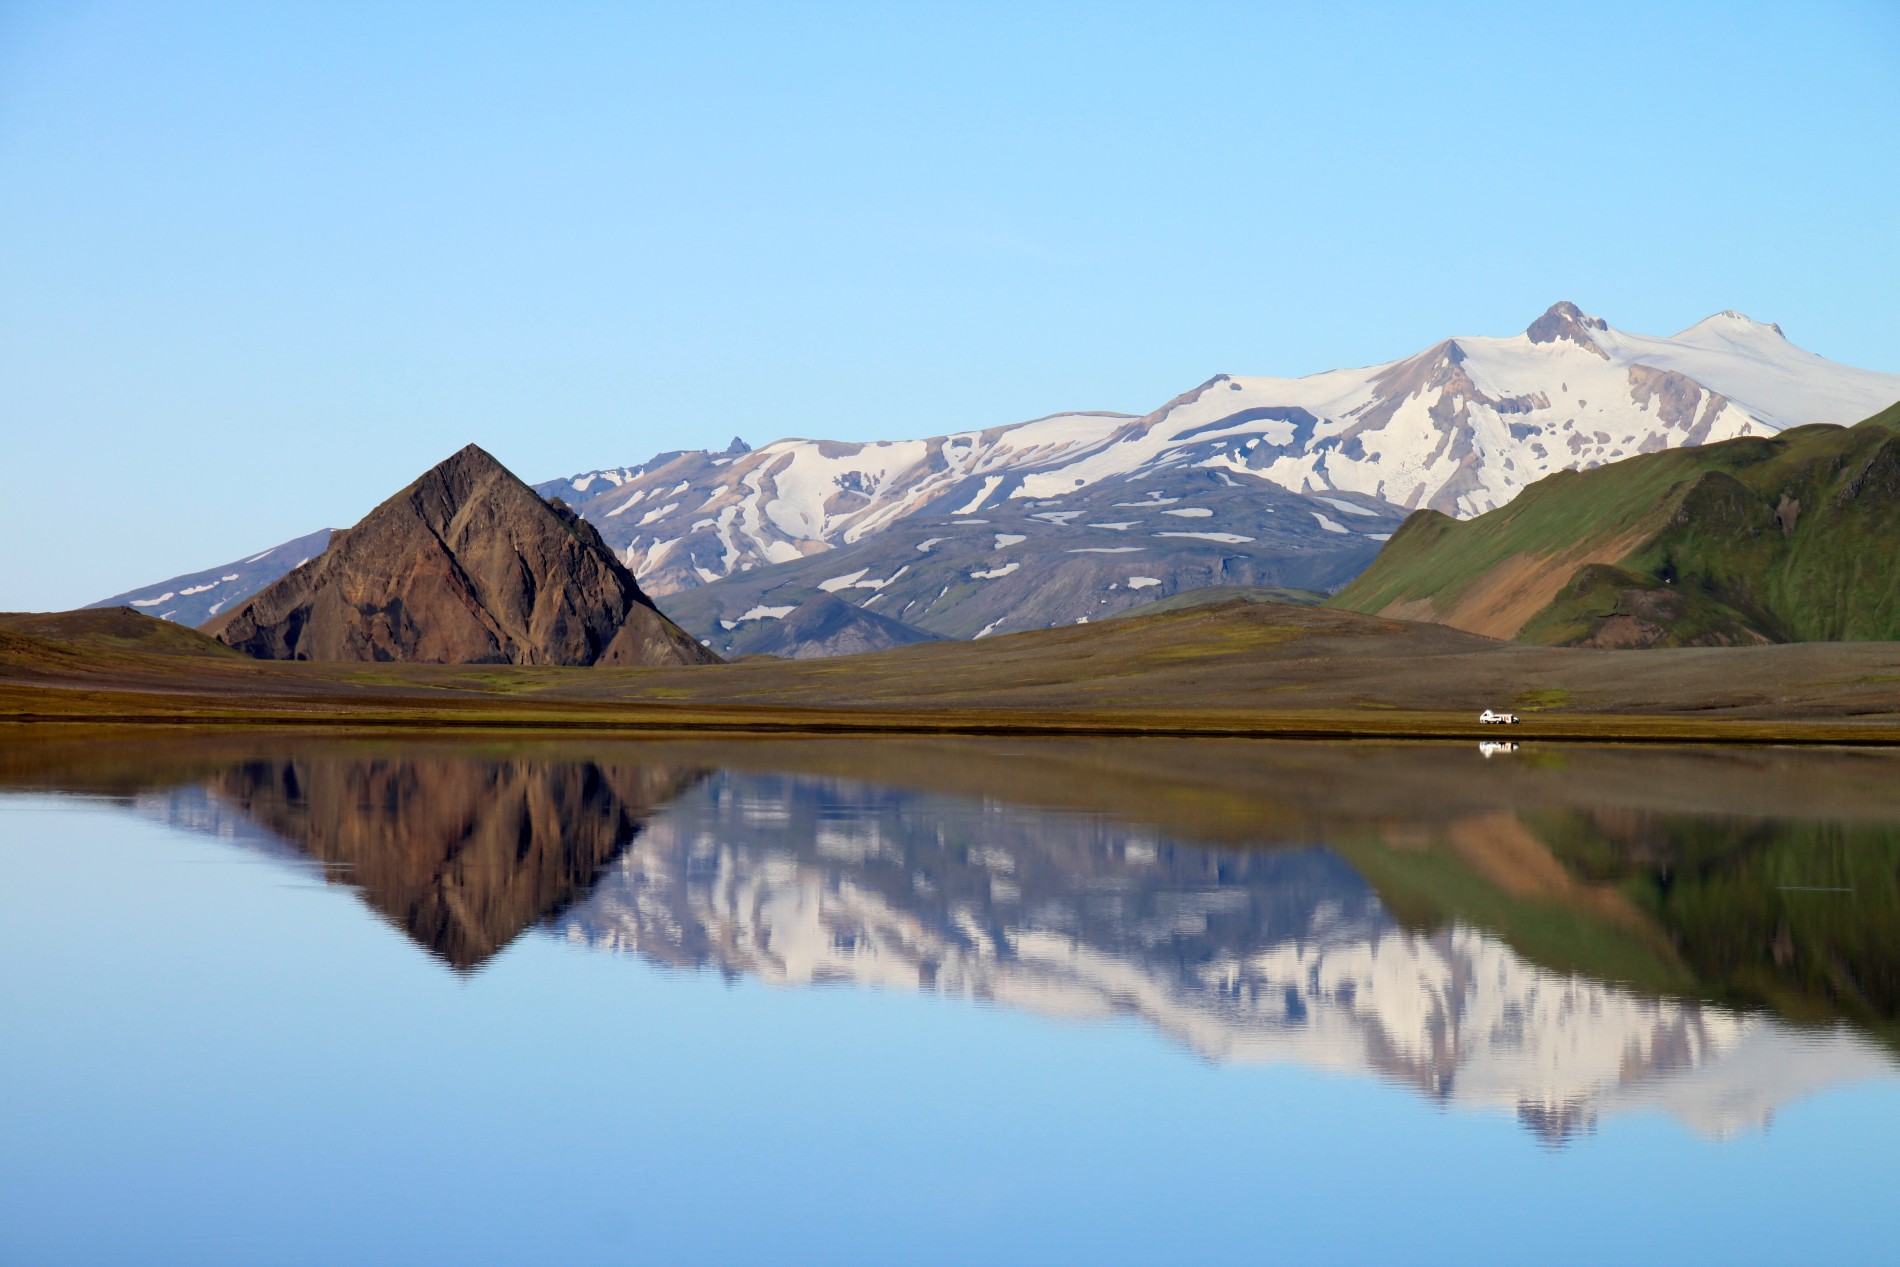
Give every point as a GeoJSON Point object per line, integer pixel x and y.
{"type": "Point", "coordinates": [143, 711]}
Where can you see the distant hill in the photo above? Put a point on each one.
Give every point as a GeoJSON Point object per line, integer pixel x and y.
{"type": "Point", "coordinates": [468, 565]}
{"type": "Point", "coordinates": [823, 625]}
{"type": "Point", "coordinates": [97, 639]}
{"type": "Point", "coordinates": [1211, 594]}
{"type": "Point", "coordinates": [1789, 538]}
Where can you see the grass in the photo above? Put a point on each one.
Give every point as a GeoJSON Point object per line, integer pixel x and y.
{"type": "Point", "coordinates": [1235, 669]}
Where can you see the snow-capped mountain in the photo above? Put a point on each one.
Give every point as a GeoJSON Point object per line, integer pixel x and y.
{"type": "Point", "coordinates": [1461, 427]}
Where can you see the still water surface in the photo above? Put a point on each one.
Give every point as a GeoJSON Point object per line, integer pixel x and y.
{"type": "Point", "coordinates": [288, 1001]}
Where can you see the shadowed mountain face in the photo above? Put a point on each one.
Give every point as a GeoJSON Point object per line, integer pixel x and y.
{"type": "Point", "coordinates": [824, 625]}
{"type": "Point", "coordinates": [462, 854]}
{"type": "Point", "coordinates": [468, 565]}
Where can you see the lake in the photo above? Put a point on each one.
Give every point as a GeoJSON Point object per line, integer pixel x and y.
{"type": "Point", "coordinates": [295, 999]}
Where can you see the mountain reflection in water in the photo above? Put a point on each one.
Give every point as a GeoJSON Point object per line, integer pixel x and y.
{"type": "Point", "coordinates": [1566, 942]}
{"type": "Point", "coordinates": [1245, 956]}
{"type": "Point", "coordinates": [463, 854]}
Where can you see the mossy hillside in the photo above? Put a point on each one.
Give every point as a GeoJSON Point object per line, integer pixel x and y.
{"type": "Point", "coordinates": [1211, 594]}
{"type": "Point", "coordinates": [1600, 592]}
{"type": "Point", "coordinates": [1805, 544]}
{"type": "Point", "coordinates": [1794, 537]}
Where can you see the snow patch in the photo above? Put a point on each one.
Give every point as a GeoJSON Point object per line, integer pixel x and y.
{"type": "Point", "coordinates": [1105, 550]}
{"type": "Point", "coordinates": [769, 613]}
{"type": "Point", "coordinates": [1346, 507]}
{"type": "Point", "coordinates": [989, 486]}
{"type": "Point", "coordinates": [993, 573]}
{"type": "Point", "coordinates": [1142, 582]}
{"type": "Point", "coordinates": [1191, 512]}
{"type": "Point", "coordinates": [626, 505]}
{"type": "Point", "coordinates": [1006, 539]}
{"type": "Point", "coordinates": [1331, 525]}
{"type": "Point", "coordinates": [658, 513]}
{"type": "Point", "coordinates": [846, 581]}
{"type": "Point", "coordinates": [1225, 538]}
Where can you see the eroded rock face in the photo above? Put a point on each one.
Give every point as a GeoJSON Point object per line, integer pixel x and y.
{"type": "Point", "coordinates": [468, 565]}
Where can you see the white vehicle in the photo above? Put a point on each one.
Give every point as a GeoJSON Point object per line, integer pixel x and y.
{"type": "Point", "coordinates": [1489, 718]}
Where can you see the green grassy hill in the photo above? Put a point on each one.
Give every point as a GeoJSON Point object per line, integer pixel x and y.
{"type": "Point", "coordinates": [1791, 538]}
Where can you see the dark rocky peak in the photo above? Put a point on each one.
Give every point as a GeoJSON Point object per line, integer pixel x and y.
{"type": "Point", "coordinates": [467, 565]}
{"type": "Point", "coordinates": [1564, 320]}
{"type": "Point", "coordinates": [737, 448]}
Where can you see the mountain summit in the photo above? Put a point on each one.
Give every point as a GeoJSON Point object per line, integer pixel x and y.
{"type": "Point", "coordinates": [468, 565]}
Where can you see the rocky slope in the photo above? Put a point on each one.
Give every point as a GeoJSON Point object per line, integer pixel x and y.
{"type": "Point", "coordinates": [467, 565]}
{"type": "Point", "coordinates": [1791, 538]}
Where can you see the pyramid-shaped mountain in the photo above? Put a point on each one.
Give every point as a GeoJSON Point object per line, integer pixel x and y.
{"type": "Point", "coordinates": [468, 565]}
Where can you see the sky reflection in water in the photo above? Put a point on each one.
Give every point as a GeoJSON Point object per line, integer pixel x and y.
{"type": "Point", "coordinates": [1557, 985]}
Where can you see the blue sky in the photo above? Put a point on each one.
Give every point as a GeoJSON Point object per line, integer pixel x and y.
{"type": "Point", "coordinates": [262, 264]}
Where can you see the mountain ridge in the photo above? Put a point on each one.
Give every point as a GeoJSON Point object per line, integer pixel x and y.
{"type": "Point", "coordinates": [1461, 426]}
